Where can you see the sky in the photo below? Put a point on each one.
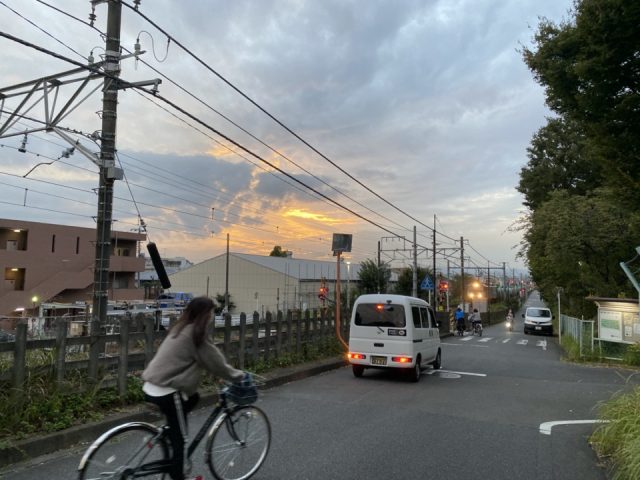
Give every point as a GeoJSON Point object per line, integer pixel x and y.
{"type": "Point", "coordinates": [419, 114]}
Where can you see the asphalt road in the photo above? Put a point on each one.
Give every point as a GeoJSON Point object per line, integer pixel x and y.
{"type": "Point", "coordinates": [485, 415]}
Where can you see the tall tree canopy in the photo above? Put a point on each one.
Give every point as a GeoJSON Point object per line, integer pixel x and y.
{"type": "Point", "coordinates": [582, 181]}
{"type": "Point", "coordinates": [590, 69]}
{"type": "Point", "coordinates": [373, 279]}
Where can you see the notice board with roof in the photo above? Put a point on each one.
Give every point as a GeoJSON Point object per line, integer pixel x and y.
{"type": "Point", "coordinates": [618, 319]}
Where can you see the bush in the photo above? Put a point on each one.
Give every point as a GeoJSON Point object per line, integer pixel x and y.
{"type": "Point", "coordinates": [618, 440]}
{"type": "Point", "coordinates": [632, 355]}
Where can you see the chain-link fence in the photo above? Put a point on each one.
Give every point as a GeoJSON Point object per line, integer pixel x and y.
{"type": "Point", "coordinates": [581, 331]}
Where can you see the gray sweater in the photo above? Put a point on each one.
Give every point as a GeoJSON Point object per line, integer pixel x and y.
{"type": "Point", "coordinates": [178, 363]}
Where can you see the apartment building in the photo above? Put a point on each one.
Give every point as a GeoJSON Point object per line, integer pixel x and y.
{"type": "Point", "coordinates": [44, 262]}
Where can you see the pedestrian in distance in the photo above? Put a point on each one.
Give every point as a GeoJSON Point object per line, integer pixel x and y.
{"type": "Point", "coordinates": [173, 376]}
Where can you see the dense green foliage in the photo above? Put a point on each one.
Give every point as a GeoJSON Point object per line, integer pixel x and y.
{"type": "Point", "coordinates": [581, 181]}
{"type": "Point", "coordinates": [373, 278]}
{"type": "Point", "coordinates": [278, 252]}
{"type": "Point", "coordinates": [405, 281]}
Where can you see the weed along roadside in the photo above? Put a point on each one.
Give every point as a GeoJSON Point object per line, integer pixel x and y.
{"type": "Point", "coordinates": [14, 450]}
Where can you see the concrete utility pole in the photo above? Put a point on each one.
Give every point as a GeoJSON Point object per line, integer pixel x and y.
{"type": "Point", "coordinates": [435, 297]}
{"type": "Point", "coordinates": [462, 271]}
{"type": "Point", "coordinates": [108, 172]}
{"type": "Point", "coordinates": [414, 289]}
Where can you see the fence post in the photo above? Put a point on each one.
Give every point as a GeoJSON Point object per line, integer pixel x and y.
{"type": "Point", "coordinates": [278, 334]}
{"type": "Point", "coordinates": [148, 339]}
{"type": "Point", "coordinates": [123, 361]}
{"type": "Point", "coordinates": [19, 364]}
{"type": "Point", "coordinates": [289, 332]}
{"type": "Point", "coordinates": [307, 336]}
{"type": "Point", "coordinates": [298, 334]}
{"type": "Point", "coordinates": [227, 335]}
{"type": "Point", "coordinates": [255, 348]}
{"type": "Point", "coordinates": [242, 341]}
{"type": "Point", "coordinates": [61, 348]}
{"type": "Point", "coordinates": [96, 347]}
{"type": "Point", "coordinates": [267, 337]}
{"type": "Point", "coordinates": [323, 330]}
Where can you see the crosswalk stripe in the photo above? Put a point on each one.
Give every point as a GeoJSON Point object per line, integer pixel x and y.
{"type": "Point", "coordinates": [506, 340]}
{"type": "Point", "coordinates": [485, 339]}
{"type": "Point", "coordinates": [466, 339]}
{"type": "Point", "coordinates": [542, 343]}
{"type": "Point", "coordinates": [522, 342]}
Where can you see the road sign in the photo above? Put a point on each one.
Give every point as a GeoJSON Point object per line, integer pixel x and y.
{"type": "Point", "coordinates": [426, 284]}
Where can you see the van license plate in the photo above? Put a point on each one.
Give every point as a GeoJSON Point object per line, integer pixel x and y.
{"type": "Point", "coordinates": [376, 360]}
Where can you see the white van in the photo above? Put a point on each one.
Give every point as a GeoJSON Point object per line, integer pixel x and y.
{"type": "Point", "coordinates": [393, 331]}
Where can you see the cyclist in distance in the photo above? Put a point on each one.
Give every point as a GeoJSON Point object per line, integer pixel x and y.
{"type": "Point", "coordinates": [459, 316]}
{"type": "Point", "coordinates": [475, 319]}
{"type": "Point", "coordinates": [173, 375]}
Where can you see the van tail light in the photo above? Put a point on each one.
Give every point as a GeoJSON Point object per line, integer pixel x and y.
{"type": "Point", "coordinates": [357, 356]}
{"type": "Point", "coordinates": [401, 359]}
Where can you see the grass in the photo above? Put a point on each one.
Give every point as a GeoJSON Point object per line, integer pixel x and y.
{"type": "Point", "coordinates": [618, 441]}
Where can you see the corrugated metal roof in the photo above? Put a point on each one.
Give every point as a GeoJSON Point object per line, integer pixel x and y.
{"type": "Point", "coordinates": [303, 269]}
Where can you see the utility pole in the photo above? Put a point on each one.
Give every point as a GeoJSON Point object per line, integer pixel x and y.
{"type": "Point", "coordinates": [414, 290]}
{"type": "Point", "coordinates": [435, 297]}
{"type": "Point", "coordinates": [226, 281]}
{"type": "Point", "coordinates": [108, 174]}
{"type": "Point", "coordinates": [462, 270]}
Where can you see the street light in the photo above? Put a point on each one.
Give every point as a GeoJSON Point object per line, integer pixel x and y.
{"type": "Point", "coordinates": [34, 300]}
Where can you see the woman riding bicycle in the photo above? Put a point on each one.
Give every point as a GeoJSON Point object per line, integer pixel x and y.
{"type": "Point", "coordinates": [173, 375]}
{"type": "Point", "coordinates": [476, 320]}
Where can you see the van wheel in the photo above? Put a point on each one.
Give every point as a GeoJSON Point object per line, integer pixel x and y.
{"type": "Point", "coordinates": [437, 363]}
{"type": "Point", "coordinates": [416, 371]}
{"type": "Point", "coordinates": [358, 370]}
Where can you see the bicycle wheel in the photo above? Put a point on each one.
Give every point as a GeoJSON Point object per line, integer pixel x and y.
{"type": "Point", "coordinates": [120, 452]}
{"type": "Point", "coordinates": [238, 443]}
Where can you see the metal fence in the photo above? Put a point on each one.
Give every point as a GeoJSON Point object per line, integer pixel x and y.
{"type": "Point", "coordinates": [129, 342]}
{"type": "Point", "coordinates": [582, 331]}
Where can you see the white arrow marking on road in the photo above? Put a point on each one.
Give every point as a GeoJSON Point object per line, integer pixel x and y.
{"type": "Point", "coordinates": [485, 339]}
{"type": "Point", "coordinates": [542, 343]}
{"type": "Point", "coordinates": [545, 428]}
{"type": "Point", "coordinates": [506, 340]}
{"type": "Point", "coordinates": [431, 372]}
{"type": "Point", "coordinates": [522, 342]}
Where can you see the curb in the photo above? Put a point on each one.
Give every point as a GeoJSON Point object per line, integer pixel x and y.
{"type": "Point", "coordinates": [31, 448]}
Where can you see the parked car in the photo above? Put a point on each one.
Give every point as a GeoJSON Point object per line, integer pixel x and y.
{"type": "Point", "coordinates": [538, 320]}
{"type": "Point", "coordinates": [6, 337]}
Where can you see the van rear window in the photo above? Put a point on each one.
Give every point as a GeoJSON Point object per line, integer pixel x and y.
{"type": "Point", "coordinates": [380, 315]}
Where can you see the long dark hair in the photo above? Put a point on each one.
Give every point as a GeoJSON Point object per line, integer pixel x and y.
{"type": "Point", "coordinates": [198, 312]}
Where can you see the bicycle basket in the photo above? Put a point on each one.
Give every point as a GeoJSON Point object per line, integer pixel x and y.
{"type": "Point", "coordinates": [243, 393]}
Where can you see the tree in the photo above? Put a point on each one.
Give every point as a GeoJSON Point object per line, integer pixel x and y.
{"type": "Point", "coordinates": [373, 279]}
{"type": "Point", "coordinates": [590, 70]}
{"type": "Point", "coordinates": [278, 252]}
{"type": "Point", "coordinates": [558, 160]}
{"type": "Point", "coordinates": [577, 242]}
{"type": "Point", "coordinates": [405, 281]}
{"type": "Point", "coordinates": [220, 304]}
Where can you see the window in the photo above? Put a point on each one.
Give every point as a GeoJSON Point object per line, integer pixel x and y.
{"type": "Point", "coordinates": [379, 315]}
{"type": "Point", "coordinates": [415, 312]}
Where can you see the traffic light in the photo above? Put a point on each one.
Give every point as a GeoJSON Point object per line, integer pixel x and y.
{"type": "Point", "coordinates": [443, 286]}
{"type": "Point", "coordinates": [322, 294]}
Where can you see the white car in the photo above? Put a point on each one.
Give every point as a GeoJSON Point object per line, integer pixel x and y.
{"type": "Point", "coordinates": [538, 320]}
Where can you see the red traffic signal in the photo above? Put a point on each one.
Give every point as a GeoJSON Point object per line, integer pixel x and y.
{"type": "Point", "coordinates": [443, 286]}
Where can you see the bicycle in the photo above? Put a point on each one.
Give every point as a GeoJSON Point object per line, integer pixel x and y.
{"type": "Point", "coordinates": [476, 328]}
{"type": "Point", "coordinates": [238, 440]}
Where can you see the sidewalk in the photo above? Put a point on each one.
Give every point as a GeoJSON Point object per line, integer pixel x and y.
{"type": "Point", "coordinates": [42, 445]}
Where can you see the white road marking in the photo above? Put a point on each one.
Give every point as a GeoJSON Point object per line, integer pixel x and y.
{"type": "Point", "coordinates": [545, 428]}
{"type": "Point", "coordinates": [465, 339]}
{"type": "Point", "coordinates": [485, 339]}
{"type": "Point", "coordinates": [431, 372]}
{"type": "Point", "coordinates": [542, 343]}
{"type": "Point", "coordinates": [506, 340]}
{"type": "Point", "coordinates": [522, 342]}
